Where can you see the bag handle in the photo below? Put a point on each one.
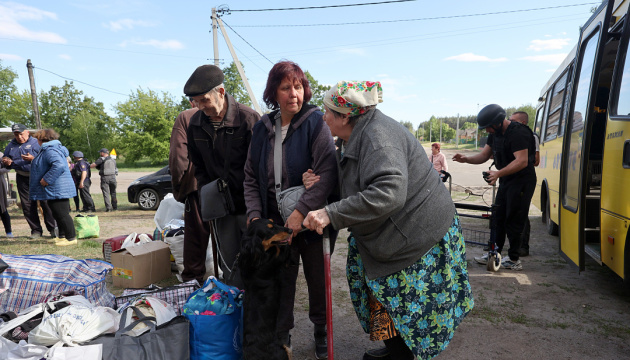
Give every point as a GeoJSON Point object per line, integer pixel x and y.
{"type": "Point", "coordinates": [150, 321]}
{"type": "Point", "coordinates": [221, 286]}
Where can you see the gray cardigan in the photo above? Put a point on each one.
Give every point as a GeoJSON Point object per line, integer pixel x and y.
{"type": "Point", "coordinates": [392, 200]}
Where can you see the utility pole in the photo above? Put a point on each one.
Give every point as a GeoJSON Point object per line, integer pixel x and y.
{"type": "Point", "coordinates": [29, 66]}
{"type": "Point", "coordinates": [236, 61]}
{"type": "Point", "coordinates": [215, 41]}
{"type": "Point", "coordinates": [440, 131]}
{"type": "Point", "coordinates": [457, 133]}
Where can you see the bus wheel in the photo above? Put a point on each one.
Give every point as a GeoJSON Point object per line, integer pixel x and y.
{"type": "Point", "coordinates": [552, 227]}
{"type": "Point", "coordinates": [494, 262]}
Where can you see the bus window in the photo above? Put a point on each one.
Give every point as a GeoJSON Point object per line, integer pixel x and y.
{"type": "Point", "coordinates": [623, 104]}
{"type": "Point", "coordinates": [539, 115]}
{"type": "Point", "coordinates": [567, 99]}
{"type": "Point", "coordinates": [555, 108]}
{"type": "Point", "coordinates": [573, 165]}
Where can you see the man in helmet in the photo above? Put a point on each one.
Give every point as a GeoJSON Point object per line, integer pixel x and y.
{"type": "Point", "coordinates": [512, 146]}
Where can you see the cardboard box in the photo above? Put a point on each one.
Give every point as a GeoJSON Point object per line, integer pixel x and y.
{"type": "Point", "coordinates": [141, 265]}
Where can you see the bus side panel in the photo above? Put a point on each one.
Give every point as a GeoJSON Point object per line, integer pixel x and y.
{"type": "Point", "coordinates": [615, 196]}
{"type": "Point", "coordinates": [549, 170]}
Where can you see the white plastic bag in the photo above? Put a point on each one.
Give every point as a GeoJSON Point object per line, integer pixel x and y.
{"type": "Point", "coordinates": [168, 210]}
{"type": "Point", "coordinates": [176, 244]}
{"type": "Point", "coordinates": [74, 324]}
{"type": "Point", "coordinates": [23, 351]}
{"type": "Point", "coordinates": [162, 311]}
{"type": "Point", "coordinates": [134, 239]}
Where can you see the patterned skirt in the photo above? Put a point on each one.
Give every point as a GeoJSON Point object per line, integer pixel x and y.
{"type": "Point", "coordinates": [425, 301]}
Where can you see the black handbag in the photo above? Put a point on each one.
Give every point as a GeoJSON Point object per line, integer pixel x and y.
{"type": "Point", "coordinates": [215, 198]}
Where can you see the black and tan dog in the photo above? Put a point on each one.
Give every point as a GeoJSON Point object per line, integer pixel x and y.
{"type": "Point", "coordinates": [264, 256]}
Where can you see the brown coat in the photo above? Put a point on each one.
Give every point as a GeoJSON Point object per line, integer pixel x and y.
{"type": "Point", "coordinates": [182, 171]}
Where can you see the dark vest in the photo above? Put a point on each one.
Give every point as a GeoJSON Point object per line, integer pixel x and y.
{"type": "Point", "coordinates": [296, 147]}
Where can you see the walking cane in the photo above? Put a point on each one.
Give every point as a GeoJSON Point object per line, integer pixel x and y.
{"type": "Point", "coordinates": [329, 317]}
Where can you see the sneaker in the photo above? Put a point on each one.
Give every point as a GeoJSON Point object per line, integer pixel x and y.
{"type": "Point", "coordinates": [10, 235]}
{"type": "Point", "coordinates": [321, 344]}
{"type": "Point", "coordinates": [507, 263]}
{"type": "Point", "coordinates": [377, 354]}
{"type": "Point", "coordinates": [523, 252]}
{"type": "Point", "coordinates": [65, 242]}
{"type": "Point", "coordinates": [36, 235]}
{"type": "Point", "coordinates": [483, 259]}
{"type": "Point", "coordinates": [54, 240]}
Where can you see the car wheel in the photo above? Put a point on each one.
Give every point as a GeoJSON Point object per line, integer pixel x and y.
{"type": "Point", "coordinates": [148, 199]}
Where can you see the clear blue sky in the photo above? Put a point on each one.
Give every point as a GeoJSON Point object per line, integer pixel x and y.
{"type": "Point", "coordinates": [443, 64]}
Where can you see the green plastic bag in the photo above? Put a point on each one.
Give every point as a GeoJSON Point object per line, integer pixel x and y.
{"type": "Point", "coordinates": [86, 226]}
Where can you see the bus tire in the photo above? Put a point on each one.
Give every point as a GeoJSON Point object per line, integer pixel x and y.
{"type": "Point", "coordinates": [552, 227]}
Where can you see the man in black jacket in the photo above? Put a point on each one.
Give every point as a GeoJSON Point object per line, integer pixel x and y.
{"type": "Point", "coordinates": [218, 142]}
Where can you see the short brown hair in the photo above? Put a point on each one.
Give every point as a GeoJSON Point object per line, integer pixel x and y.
{"type": "Point", "coordinates": [46, 135]}
{"type": "Point", "coordinates": [280, 71]}
{"type": "Point", "coordinates": [436, 145]}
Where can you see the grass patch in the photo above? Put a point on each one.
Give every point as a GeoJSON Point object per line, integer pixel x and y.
{"type": "Point", "coordinates": [558, 325]}
{"type": "Point", "coordinates": [518, 319]}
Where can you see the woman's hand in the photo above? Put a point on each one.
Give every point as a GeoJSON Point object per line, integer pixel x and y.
{"type": "Point", "coordinates": [317, 220]}
{"type": "Point", "coordinates": [294, 222]}
{"type": "Point", "coordinates": [309, 178]}
{"type": "Point", "coordinates": [43, 182]}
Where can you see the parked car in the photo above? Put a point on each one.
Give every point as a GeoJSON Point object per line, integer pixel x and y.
{"type": "Point", "coordinates": [149, 190]}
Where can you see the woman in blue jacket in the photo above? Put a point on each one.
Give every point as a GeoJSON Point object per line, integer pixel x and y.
{"type": "Point", "coordinates": [51, 181]}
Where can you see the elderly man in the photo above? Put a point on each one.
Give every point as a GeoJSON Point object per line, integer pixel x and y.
{"type": "Point", "coordinates": [18, 155]}
{"type": "Point", "coordinates": [218, 140]}
{"type": "Point", "coordinates": [108, 171]}
{"type": "Point", "coordinates": [82, 173]}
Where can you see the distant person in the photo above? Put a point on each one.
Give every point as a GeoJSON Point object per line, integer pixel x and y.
{"type": "Point", "coordinates": [217, 134]}
{"type": "Point", "coordinates": [18, 156]}
{"type": "Point", "coordinates": [51, 181]}
{"type": "Point", "coordinates": [196, 231]}
{"type": "Point", "coordinates": [77, 204]}
{"type": "Point", "coordinates": [108, 171]}
{"type": "Point", "coordinates": [4, 202]}
{"type": "Point", "coordinates": [523, 118]}
{"type": "Point", "coordinates": [439, 161]}
{"type": "Point", "coordinates": [512, 146]}
{"type": "Point", "coordinates": [82, 174]}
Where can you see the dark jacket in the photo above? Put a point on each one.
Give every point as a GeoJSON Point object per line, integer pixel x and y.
{"type": "Point", "coordinates": [15, 151]}
{"type": "Point", "coordinates": [393, 201]}
{"type": "Point", "coordinates": [307, 145]}
{"type": "Point", "coordinates": [182, 170]}
{"type": "Point", "coordinates": [207, 147]}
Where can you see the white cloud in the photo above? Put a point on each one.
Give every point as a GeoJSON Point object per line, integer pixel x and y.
{"type": "Point", "coordinates": [127, 24]}
{"type": "Point", "coordinates": [159, 44]}
{"type": "Point", "coordinates": [470, 57]}
{"type": "Point", "coordinates": [551, 44]}
{"type": "Point", "coordinates": [553, 59]}
{"type": "Point", "coordinates": [11, 14]}
{"type": "Point", "coordinates": [10, 57]}
{"type": "Point", "coordinates": [65, 56]}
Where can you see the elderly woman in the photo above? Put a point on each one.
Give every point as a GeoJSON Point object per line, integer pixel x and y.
{"type": "Point", "coordinates": [306, 144]}
{"type": "Point", "coordinates": [51, 181]}
{"type": "Point", "coordinates": [439, 161]}
{"type": "Point", "coordinates": [406, 262]}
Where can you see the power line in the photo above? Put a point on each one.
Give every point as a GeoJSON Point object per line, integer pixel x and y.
{"type": "Point", "coordinates": [324, 7]}
{"type": "Point", "coordinates": [423, 19]}
{"type": "Point", "coordinates": [226, 24]}
{"type": "Point", "coordinates": [81, 82]}
{"type": "Point", "coordinates": [247, 57]}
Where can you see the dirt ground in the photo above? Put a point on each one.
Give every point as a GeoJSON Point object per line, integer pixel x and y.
{"type": "Point", "coordinates": [546, 311]}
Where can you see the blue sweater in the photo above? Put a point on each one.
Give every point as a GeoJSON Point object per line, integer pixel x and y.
{"type": "Point", "coordinates": [51, 165]}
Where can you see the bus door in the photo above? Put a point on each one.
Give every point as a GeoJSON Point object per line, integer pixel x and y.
{"type": "Point", "coordinates": [577, 135]}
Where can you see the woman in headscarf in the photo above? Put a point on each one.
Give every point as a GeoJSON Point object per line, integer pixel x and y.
{"type": "Point", "coordinates": [306, 143]}
{"type": "Point", "coordinates": [406, 264]}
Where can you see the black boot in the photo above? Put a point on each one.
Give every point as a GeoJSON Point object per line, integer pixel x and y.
{"type": "Point", "coordinates": [398, 349]}
{"type": "Point", "coordinates": [321, 344]}
{"type": "Point", "coordinates": [377, 354]}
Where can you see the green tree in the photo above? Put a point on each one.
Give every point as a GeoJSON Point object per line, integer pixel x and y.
{"type": "Point", "coordinates": [318, 91]}
{"type": "Point", "coordinates": [529, 109]}
{"type": "Point", "coordinates": [9, 97]}
{"type": "Point", "coordinates": [145, 124]}
{"type": "Point", "coordinates": [408, 125]}
{"type": "Point", "coordinates": [234, 85]}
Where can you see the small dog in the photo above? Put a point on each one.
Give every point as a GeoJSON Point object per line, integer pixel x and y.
{"type": "Point", "coordinates": [264, 256]}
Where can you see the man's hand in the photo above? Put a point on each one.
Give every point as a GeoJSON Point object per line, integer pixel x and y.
{"type": "Point", "coordinates": [7, 161]}
{"type": "Point", "coordinates": [460, 158]}
{"type": "Point", "coordinates": [309, 178]}
{"type": "Point", "coordinates": [317, 220]}
{"type": "Point", "coordinates": [28, 157]}
{"type": "Point", "coordinates": [80, 185]}
{"type": "Point", "coordinates": [294, 222]}
{"type": "Point", "coordinates": [43, 182]}
{"type": "Point", "coordinates": [492, 177]}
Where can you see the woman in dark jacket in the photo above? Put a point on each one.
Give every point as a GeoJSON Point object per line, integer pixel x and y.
{"type": "Point", "coordinates": [406, 254]}
{"type": "Point", "coordinates": [51, 181]}
{"type": "Point", "coordinates": [307, 144]}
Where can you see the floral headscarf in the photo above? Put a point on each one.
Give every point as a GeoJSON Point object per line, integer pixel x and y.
{"type": "Point", "coordinates": [352, 97]}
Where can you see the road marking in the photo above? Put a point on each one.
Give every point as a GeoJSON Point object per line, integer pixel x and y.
{"type": "Point", "coordinates": [521, 278]}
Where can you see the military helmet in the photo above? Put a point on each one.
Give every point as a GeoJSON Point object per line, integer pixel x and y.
{"type": "Point", "coordinates": [490, 115]}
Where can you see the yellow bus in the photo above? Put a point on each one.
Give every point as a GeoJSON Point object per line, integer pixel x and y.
{"type": "Point", "coordinates": [583, 122]}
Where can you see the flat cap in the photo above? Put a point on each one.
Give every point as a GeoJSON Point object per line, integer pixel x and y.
{"type": "Point", "coordinates": [77, 154]}
{"type": "Point", "coordinates": [18, 128]}
{"type": "Point", "coordinates": [104, 150]}
{"type": "Point", "coordinates": [204, 79]}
